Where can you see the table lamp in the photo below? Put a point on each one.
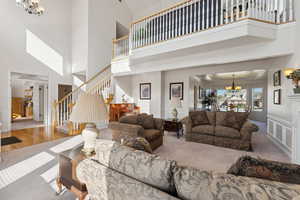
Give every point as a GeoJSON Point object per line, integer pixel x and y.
{"type": "Point", "coordinates": [89, 109]}
{"type": "Point", "coordinates": [175, 103]}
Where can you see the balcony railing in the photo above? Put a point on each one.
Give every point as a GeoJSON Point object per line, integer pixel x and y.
{"type": "Point", "coordinates": [194, 16]}
{"type": "Point", "coordinates": [121, 47]}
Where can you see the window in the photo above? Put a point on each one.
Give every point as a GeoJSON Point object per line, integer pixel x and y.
{"type": "Point", "coordinates": [235, 100]}
{"type": "Point", "coordinates": [258, 99]}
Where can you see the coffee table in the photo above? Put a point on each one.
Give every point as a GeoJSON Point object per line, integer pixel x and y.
{"type": "Point", "coordinates": [174, 126]}
{"type": "Point", "coordinates": [68, 161]}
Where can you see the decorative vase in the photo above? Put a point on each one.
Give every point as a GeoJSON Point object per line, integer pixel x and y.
{"type": "Point", "coordinates": [297, 90]}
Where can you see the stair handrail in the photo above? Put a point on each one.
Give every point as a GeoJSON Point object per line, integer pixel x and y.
{"type": "Point", "coordinates": [83, 84]}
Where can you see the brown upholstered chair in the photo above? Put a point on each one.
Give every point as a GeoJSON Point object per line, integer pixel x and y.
{"type": "Point", "coordinates": [141, 125]}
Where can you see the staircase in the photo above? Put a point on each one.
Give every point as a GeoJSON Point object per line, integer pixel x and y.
{"type": "Point", "coordinates": [99, 84]}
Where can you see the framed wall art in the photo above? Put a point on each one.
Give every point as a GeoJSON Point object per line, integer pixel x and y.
{"type": "Point", "coordinates": [145, 91]}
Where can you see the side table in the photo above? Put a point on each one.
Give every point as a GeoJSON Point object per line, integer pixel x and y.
{"type": "Point", "coordinates": [174, 126]}
{"type": "Point", "coordinates": [68, 161]}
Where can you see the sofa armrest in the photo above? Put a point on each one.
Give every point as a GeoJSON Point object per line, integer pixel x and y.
{"type": "Point", "coordinates": [247, 129]}
{"type": "Point", "coordinates": [159, 123]}
{"type": "Point", "coordinates": [104, 183]}
{"type": "Point", "coordinates": [121, 130]}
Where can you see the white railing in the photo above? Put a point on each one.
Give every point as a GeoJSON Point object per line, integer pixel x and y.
{"type": "Point", "coordinates": [199, 15]}
{"type": "Point", "coordinates": [62, 109]}
{"type": "Point", "coordinates": [121, 47]}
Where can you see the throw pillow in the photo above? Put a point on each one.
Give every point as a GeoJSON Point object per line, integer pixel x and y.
{"type": "Point", "coordinates": [131, 119]}
{"type": "Point", "coordinates": [138, 143]}
{"type": "Point", "coordinates": [235, 120]}
{"type": "Point", "coordinates": [199, 118]}
{"type": "Point", "coordinates": [146, 121]}
{"type": "Point", "coordinates": [266, 169]}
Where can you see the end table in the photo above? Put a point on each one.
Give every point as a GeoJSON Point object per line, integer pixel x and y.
{"type": "Point", "coordinates": [175, 126]}
{"type": "Point", "coordinates": [68, 161]}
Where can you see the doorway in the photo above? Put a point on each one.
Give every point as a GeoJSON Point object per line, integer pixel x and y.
{"type": "Point", "coordinates": [29, 101]}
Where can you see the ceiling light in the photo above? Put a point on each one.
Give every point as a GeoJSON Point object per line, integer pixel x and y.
{"type": "Point", "coordinates": [31, 6]}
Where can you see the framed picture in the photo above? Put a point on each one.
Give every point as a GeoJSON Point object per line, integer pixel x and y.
{"type": "Point", "coordinates": [176, 90]}
{"type": "Point", "coordinates": [277, 97]}
{"type": "Point", "coordinates": [145, 91]}
{"type": "Point", "coordinates": [277, 78]}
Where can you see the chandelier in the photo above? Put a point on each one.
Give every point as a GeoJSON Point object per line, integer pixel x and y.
{"type": "Point", "coordinates": [233, 86]}
{"type": "Point", "coordinates": [31, 6]}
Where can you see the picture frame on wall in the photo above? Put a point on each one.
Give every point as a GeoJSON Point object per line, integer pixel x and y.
{"type": "Point", "coordinates": [277, 78]}
{"type": "Point", "coordinates": [176, 90]}
{"type": "Point", "coordinates": [145, 91]}
{"type": "Point", "coordinates": [277, 97]}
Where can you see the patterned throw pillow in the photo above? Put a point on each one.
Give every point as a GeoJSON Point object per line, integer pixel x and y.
{"type": "Point", "coordinates": [138, 143]}
{"type": "Point", "coordinates": [235, 120]}
{"type": "Point", "coordinates": [199, 118]}
{"type": "Point", "coordinates": [266, 169]}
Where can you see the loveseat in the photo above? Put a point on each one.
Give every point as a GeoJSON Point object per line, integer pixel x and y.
{"type": "Point", "coordinates": [225, 129]}
{"type": "Point", "coordinates": [141, 125]}
{"type": "Point", "coordinates": [118, 172]}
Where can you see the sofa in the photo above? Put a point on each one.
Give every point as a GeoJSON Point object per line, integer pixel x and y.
{"type": "Point", "coordinates": [118, 172]}
{"type": "Point", "coordinates": [225, 129]}
{"type": "Point", "coordinates": [141, 125]}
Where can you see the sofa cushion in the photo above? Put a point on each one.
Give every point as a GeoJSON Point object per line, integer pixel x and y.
{"type": "Point", "coordinates": [211, 116]}
{"type": "Point", "coordinates": [199, 118]}
{"type": "Point", "coordinates": [235, 119]}
{"type": "Point", "coordinates": [152, 134]}
{"type": "Point", "coordinates": [137, 143]}
{"type": "Point", "coordinates": [142, 166]}
{"type": "Point", "coordinates": [265, 169]}
{"type": "Point", "coordinates": [146, 121]}
{"type": "Point", "coordinates": [131, 119]}
{"type": "Point", "coordinates": [223, 131]}
{"type": "Point", "coordinates": [195, 184]}
{"type": "Point", "coordinates": [204, 129]}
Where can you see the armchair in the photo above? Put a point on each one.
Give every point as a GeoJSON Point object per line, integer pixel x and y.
{"type": "Point", "coordinates": [141, 125]}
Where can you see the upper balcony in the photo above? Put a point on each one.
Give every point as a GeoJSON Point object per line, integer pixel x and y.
{"type": "Point", "coordinates": [197, 27]}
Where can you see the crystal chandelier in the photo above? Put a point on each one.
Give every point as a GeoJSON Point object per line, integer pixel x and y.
{"type": "Point", "coordinates": [31, 6]}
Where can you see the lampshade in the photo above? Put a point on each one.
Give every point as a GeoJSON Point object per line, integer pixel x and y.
{"type": "Point", "coordinates": [176, 102]}
{"type": "Point", "coordinates": [89, 109]}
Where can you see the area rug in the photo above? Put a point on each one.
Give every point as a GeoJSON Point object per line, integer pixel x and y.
{"type": "Point", "coordinates": [10, 140]}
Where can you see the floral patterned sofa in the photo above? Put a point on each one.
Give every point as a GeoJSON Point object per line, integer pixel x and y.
{"type": "Point", "coordinates": [118, 172]}
{"type": "Point", "coordinates": [225, 129]}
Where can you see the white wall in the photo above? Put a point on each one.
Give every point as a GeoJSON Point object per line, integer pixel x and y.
{"type": "Point", "coordinates": [50, 32]}
{"type": "Point", "coordinates": [102, 18]}
{"type": "Point", "coordinates": [152, 106]}
{"type": "Point", "coordinates": [79, 35]}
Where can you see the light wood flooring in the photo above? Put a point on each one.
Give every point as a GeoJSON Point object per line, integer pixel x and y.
{"type": "Point", "coordinates": [32, 136]}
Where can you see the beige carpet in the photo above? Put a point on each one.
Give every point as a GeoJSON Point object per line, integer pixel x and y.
{"type": "Point", "coordinates": [35, 176]}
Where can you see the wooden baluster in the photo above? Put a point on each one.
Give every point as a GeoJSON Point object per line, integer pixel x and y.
{"type": "Point", "coordinates": [291, 10]}
{"type": "Point", "coordinates": [284, 19]}
{"type": "Point", "coordinates": [227, 12]}
{"type": "Point", "coordinates": [216, 12]}
{"type": "Point", "coordinates": [198, 15]}
{"type": "Point", "coordinates": [191, 16]}
{"type": "Point", "coordinates": [232, 10]}
{"type": "Point", "coordinates": [221, 12]}
{"type": "Point", "coordinates": [212, 17]}
{"type": "Point", "coordinates": [244, 10]}
{"type": "Point", "coordinates": [237, 10]}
